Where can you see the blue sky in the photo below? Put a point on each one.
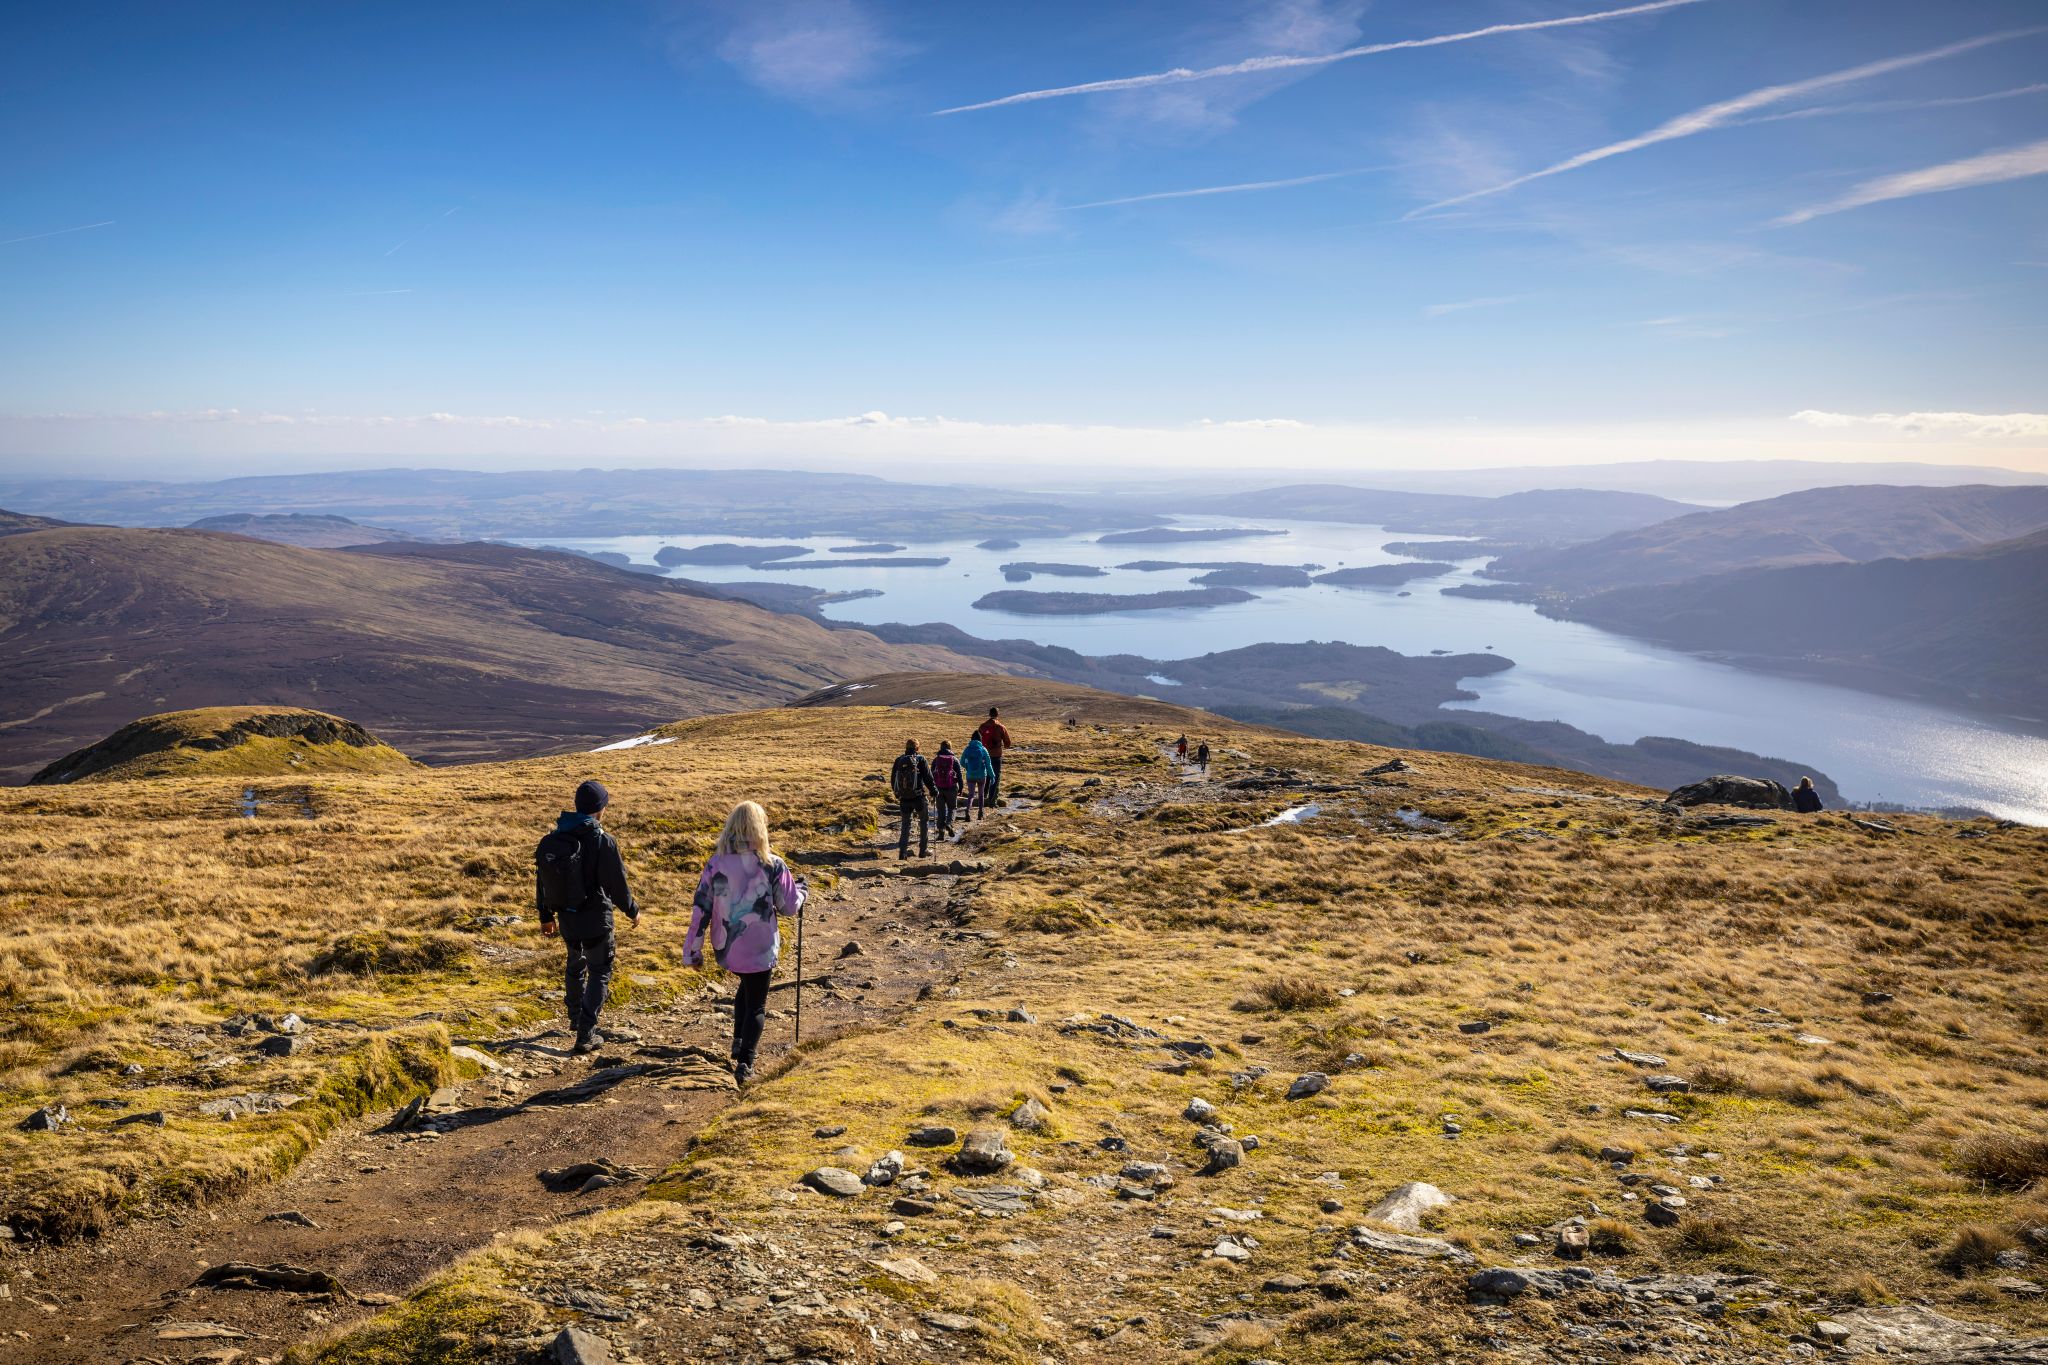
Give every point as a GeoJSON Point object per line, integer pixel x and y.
{"type": "Point", "coordinates": [278, 235]}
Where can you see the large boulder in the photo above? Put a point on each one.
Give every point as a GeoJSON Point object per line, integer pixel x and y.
{"type": "Point", "coordinates": [1755, 793]}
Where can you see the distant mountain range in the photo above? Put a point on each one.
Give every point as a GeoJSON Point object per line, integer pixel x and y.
{"type": "Point", "coordinates": [1537, 516]}
{"type": "Point", "coordinates": [451, 652]}
{"type": "Point", "coordinates": [1848, 525]}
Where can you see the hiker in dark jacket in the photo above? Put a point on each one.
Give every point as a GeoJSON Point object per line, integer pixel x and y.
{"type": "Point", "coordinates": [946, 775]}
{"type": "Point", "coordinates": [910, 780]}
{"type": "Point", "coordinates": [1202, 756]}
{"type": "Point", "coordinates": [579, 879]}
{"type": "Point", "coordinates": [1805, 799]}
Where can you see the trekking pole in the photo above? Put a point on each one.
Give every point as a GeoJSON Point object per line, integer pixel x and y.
{"type": "Point", "coordinates": [799, 976]}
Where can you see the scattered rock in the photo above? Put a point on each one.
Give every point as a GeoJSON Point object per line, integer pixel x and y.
{"type": "Point", "coordinates": [908, 1269]}
{"type": "Point", "coordinates": [1617, 1155]}
{"type": "Point", "coordinates": [1476, 1026]}
{"type": "Point", "coordinates": [574, 1346]}
{"type": "Point", "coordinates": [1668, 1085]}
{"type": "Point", "coordinates": [1031, 1117]}
{"type": "Point", "coordinates": [833, 1130]}
{"type": "Point", "coordinates": [1664, 1212]}
{"type": "Point", "coordinates": [1332, 1205]}
{"type": "Point", "coordinates": [1020, 1015]}
{"type": "Point", "coordinates": [983, 1151]}
{"type": "Point", "coordinates": [1499, 1283]}
{"type": "Point", "coordinates": [292, 1279]}
{"type": "Point", "coordinates": [1830, 1333]}
{"type": "Point", "coordinates": [930, 1135]}
{"type": "Point", "coordinates": [1306, 1084]}
{"type": "Point", "coordinates": [2017, 1287]}
{"type": "Point", "coordinates": [836, 1181]}
{"type": "Point", "coordinates": [1148, 1173]}
{"type": "Point", "coordinates": [851, 949]}
{"type": "Point", "coordinates": [1287, 1284]}
{"type": "Point", "coordinates": [1652, 1115]}
{"type": "Point", "coordinates": [1199, 1110]}
{"type": "Point", "coordinates": [582, 1177]}
{"type": "Point", "coordinates": [1230, 1249]}
{"type": "Point", "coordinates": [252, 1103]}
{"type": "Point", "coordinates": [48, 1119]}
{"type": "Point", "coordinates": [1878, 997]}
{"type": "Point", "coordinates": [1405, 1207]}
{"type": "Point", "coordinates": [996, 1199]}
{"type": "Point", "coordinates": [1644, 1059]}
{"type": "Point", "coordinates": [1400, 1244]}
{"type": "Point", "coordinates": [155, 1118]}
{"type": "Point", "coordinates": [477, 1057]}
{"type": "Point", "coordinates": [912, 1208]}
{"type": "Point", "coordinates": [885, 1169]}
{"type": "Point", "coordinates": [292, 1216]}
{"type": "Point", "coordinates": [1572, 1241]}
{"type": "Point", "coordinates": [1753, 793]}
{"type": "Point", "coordinates": [1224, 1153]}
{"type": "Point", "coordinates": [281, 1045]}
{"type": "Point", "coordinates": [952, 1322]}
{"type": "Point", "coordinates": [199, 1331]}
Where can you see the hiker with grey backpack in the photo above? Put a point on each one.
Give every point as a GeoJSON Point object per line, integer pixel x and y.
{"type": "Point", "coordinates": [579, 880]}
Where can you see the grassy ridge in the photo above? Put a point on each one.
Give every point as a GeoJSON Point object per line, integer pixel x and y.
{"type": "Point", "coordinates": [1861, 1017]}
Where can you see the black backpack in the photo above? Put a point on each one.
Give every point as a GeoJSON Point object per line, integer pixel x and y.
{"type": "Point", "coordinates": [903, 779]}
{"type": "Point", "coordinates": [566, 870]}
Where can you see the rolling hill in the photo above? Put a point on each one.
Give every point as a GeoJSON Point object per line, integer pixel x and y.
{"type": "Point", "coordinates": [228, 741]}
{"type": "Point", "coordinates": [308, 531]}
{"type": "Point", "coordinates": [450, 651]}
{"type": "Point", "coordinates": [1968, 626]}
{"type": "Point", "coordinates": [1536, 516]}
{"type": "Point", "coordinates": [1846, 525]}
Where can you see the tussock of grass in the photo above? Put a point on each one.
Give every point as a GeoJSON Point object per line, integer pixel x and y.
{"type": "Point", "coordinates": [1290, 994]}
{"type": "Point", "coordinates": [1975, 1247]}
{"type": "Point", "coordinates": [2010, 1161]}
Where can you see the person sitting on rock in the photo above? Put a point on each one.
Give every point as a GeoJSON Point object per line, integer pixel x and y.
{"type": "Point", "coordinates": [579, 878]}
{"type": "Point", "coordinates": [1805, 799]}
{"type": "Point", "coordinates": [742, 894]}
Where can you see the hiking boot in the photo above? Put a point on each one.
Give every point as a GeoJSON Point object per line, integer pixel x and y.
{"type": "Point", "coordinates": [587, 1042]}
{"type": "Point", "coordinates": [742, 1072]}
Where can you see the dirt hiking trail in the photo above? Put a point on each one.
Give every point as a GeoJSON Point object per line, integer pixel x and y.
{"type": "Point", "coordinates": [380, 1209]}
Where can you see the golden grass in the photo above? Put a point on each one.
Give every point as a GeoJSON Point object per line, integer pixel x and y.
{"type": "Point", "coordinates": [1838, 1130]}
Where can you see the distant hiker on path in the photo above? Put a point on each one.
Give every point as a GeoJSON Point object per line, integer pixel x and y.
{"type": "Point", "coordinates": [911, 782]}
{"type": "Point", "coordinates": [946, 777]}
{"type": "Point", "coordinates": [741, 896]}
{"type": "Point", "coordinates": [1804, 798]}
{"type": "Point", "coordinates": [1202, 756]}
{"type": "Point", "coordinates": [579, 878]}
{"type": "Point", "coordinates": [995, 739]}
{"type": "Point", "coordinates": [977, 769]}
{"type": "Point", "coordinates": [1180, 748]}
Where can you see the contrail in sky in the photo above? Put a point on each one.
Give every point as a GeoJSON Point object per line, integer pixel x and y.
{"type": "Point", "coordinates": [1728, 111]}
{"type": "Point", "coordinates": [36, 236]}
{"type": "Point", "coordinates": [1229, 189]}
{"type": "Point", "coordinates": [1255, 65]}
{"type": "Point", "coordinates": [1991, 168]}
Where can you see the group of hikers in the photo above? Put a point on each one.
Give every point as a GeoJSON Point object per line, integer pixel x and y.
{"type": "Point", "coordinates": [968, 781]}
{"type": "Point", "coordinates": [1180, 752]}
{"type": "Point", "coordinates": [580, 885]}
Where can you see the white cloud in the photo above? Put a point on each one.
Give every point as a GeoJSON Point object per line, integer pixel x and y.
{"type": "Point", "coordinates": [1990, 168]}
{"type": "Point", "coordinates": [1242, 187]}
{"type": "Point", "coordinates": [804, 49]}
{"type": "Point", "coordinates": [1729, 111]}
{"type": "Point", "coordinates": [1897, 106]}
{"type": "Point", "coordinates": [1261, 65]}
{"type": "Point", "coordinates": [1976, 425]}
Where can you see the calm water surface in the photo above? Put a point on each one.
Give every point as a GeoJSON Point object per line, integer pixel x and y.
{"type": "Point", "coordinates": [1876, 748]}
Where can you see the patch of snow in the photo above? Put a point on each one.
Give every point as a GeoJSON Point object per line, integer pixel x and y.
{"type": "Point", "coordinates": [1162, 680]}
{"type": "Point", "coordinates": [636, 742]}
{"type": "Point", "coordinates": [1294, 815]}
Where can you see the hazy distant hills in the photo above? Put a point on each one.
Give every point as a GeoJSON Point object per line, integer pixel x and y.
{"type": "Point", "coordinates": [448, 504]}
{"type": "Point", "coordinates": [14, 523]}
{"type": "Point", "coordinates": [1849, 525]}
{"type": "Point", "coordinates": [1972, 625]}
{"type": "Point", "coordinates": [1539, 516]}
{"type": "Point", "coordinates": [448, 651]}
{"type": "Point", "coordinates": [308, 532]}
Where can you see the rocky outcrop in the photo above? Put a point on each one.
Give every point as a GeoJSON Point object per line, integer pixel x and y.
{"type": "Point", "coordinates": [1754, 793]}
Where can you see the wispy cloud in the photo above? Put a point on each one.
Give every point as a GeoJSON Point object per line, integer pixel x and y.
{"type": "Point", "coordinates": [38, 236]}
{"type": "Point", "coordinates": [1989, 168]}
{"type": "Point", "coordinates": [1259, 65]}
{"type": "Point", "coordinates": [1437, 310]}
{"type": "Point", "coordinates": [1243, 187]}
{"type": "Point", "coordinates": [1974, 424]}
{"type": "Point", "coordinates": [1725, 112]}
{"type": "Point", "coordinates": [1897, 106]}
{"type": "Point", "coordinates": [806, 49]}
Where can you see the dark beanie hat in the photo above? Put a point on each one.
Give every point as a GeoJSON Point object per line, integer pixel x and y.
{"type": "Point", "coordinates": [591, 798]}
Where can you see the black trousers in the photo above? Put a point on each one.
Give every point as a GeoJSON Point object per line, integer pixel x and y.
{"type": "Point", "coordinates": [749, 1015]}
{"type": "Point", "coordinates": [995, 779]}
{"type": "Point", "coordinates": [587, 979]}
{"type": "Point", "coordinates": [948, 797]}
{"type": "Point", "coordinates": [923, 811]}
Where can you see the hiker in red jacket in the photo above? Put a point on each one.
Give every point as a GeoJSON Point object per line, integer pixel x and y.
{"type": "Point", "coordinates": [995, 739]}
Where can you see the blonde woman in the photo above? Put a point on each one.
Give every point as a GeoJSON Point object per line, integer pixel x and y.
{"type": "Point", "coordinates": [744, 891]}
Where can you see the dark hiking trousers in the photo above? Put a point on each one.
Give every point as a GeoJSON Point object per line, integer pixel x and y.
{"type": "Point", "coordinates": [587, 979]}
{"type": "Point", "coordinates": [923, 811]}
{"type": "Point", "coordinates": [992, 793]}
{"type": "Point", "coordinates": [948, 796]}
{"type": "Point", "coordinates": [749, 1015]}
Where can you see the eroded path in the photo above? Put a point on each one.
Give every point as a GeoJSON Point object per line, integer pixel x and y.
{"type": "Point", "coordinates": [381, 1210]}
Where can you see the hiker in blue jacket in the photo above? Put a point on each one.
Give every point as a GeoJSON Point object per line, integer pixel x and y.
{"type": "Point", "coordinates": [977, 769]}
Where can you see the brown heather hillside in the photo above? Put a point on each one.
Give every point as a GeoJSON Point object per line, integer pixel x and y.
{"type": "Point", "coordinates": [451, 653]}
{"type": "Point", "coordinates": [1858, 1017]}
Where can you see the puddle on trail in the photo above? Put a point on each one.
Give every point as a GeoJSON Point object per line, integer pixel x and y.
{"type": "Point", "coordinates": [251, 803]}
{"type": "Point", "coordinates": [1294, 815]}
{"type": "Point", "coordinates": [1415, 819]}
